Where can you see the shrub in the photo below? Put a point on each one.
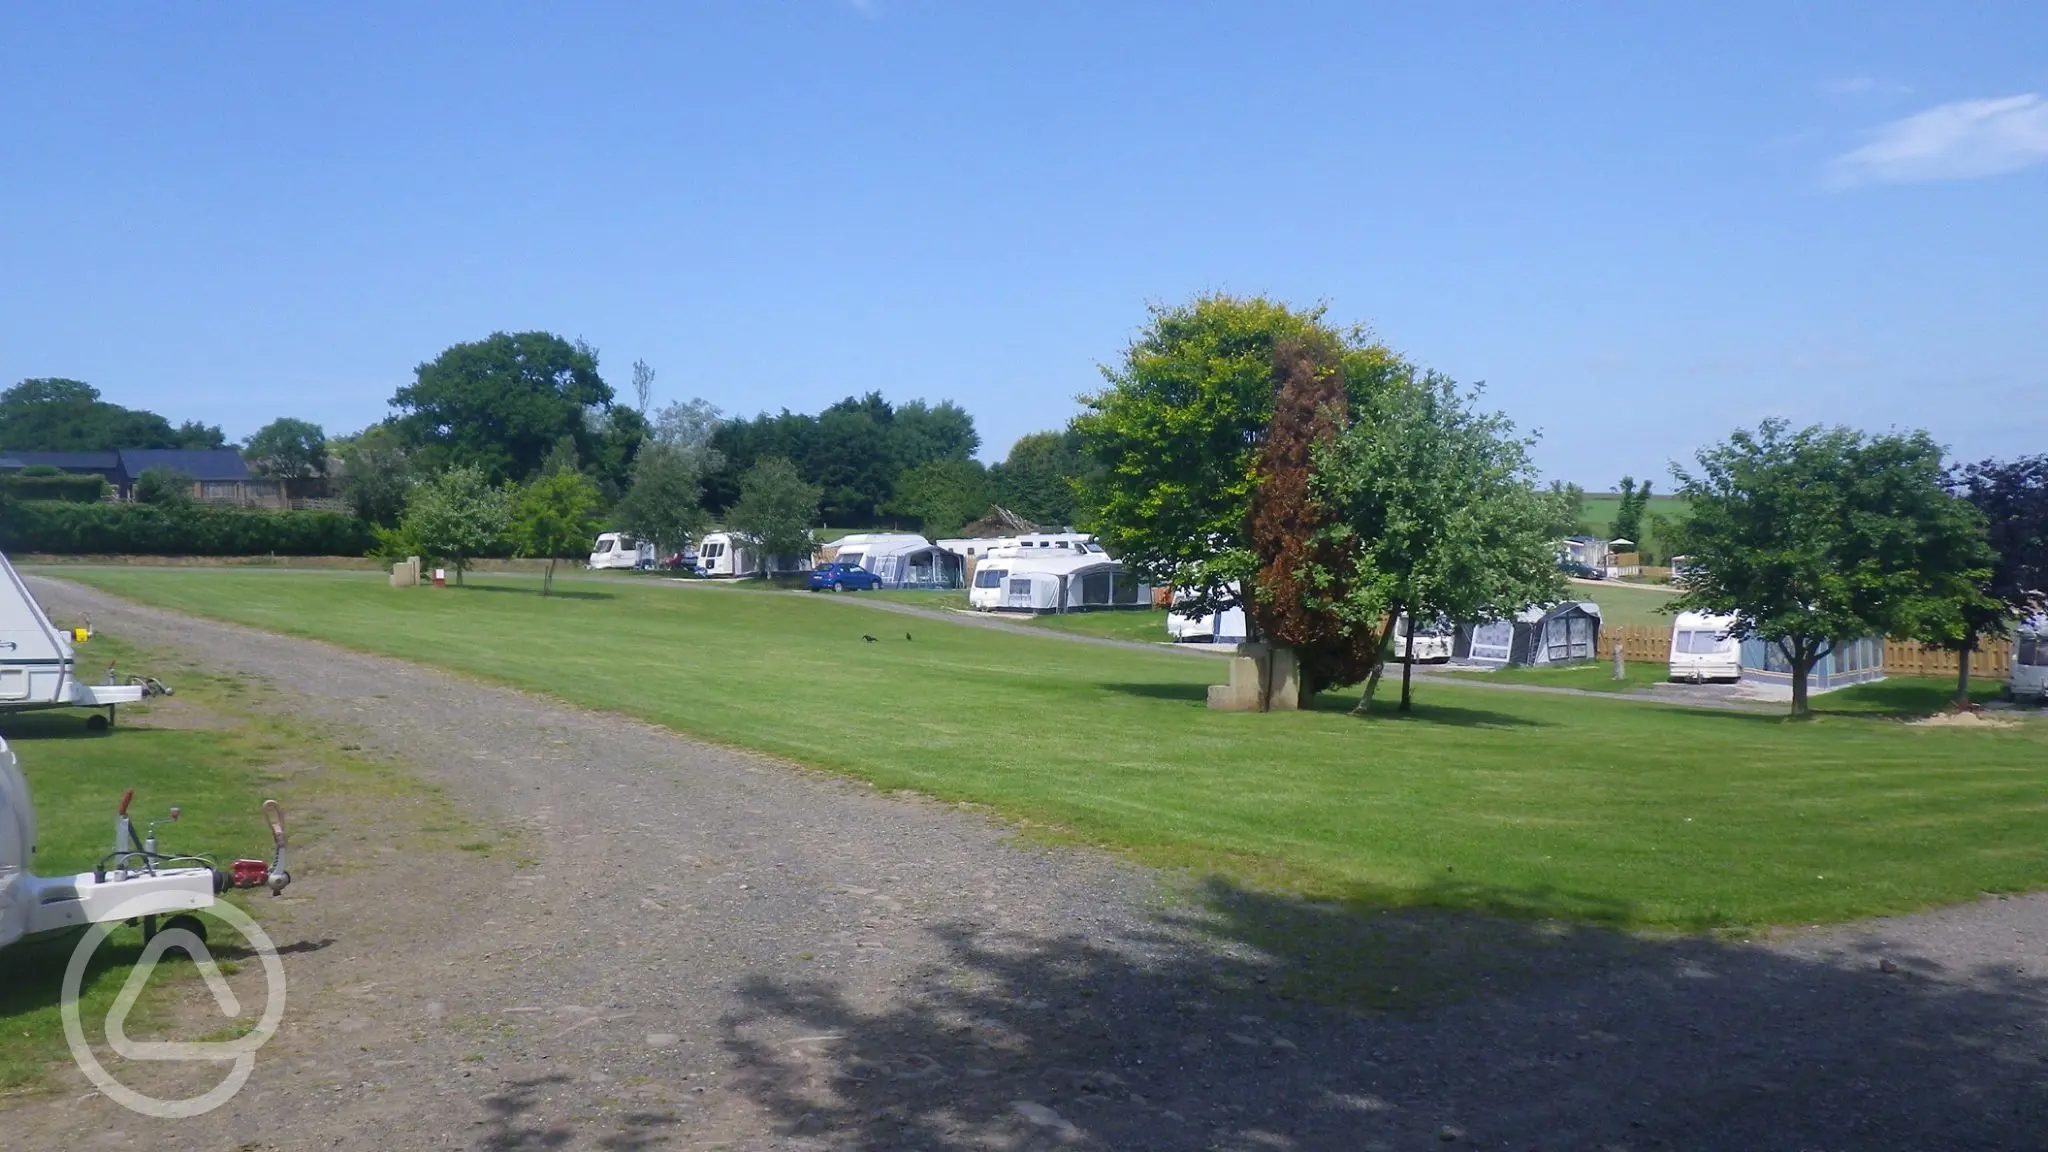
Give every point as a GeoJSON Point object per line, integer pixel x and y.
{"type": "Point", "coordinates": [26, 485]}
{"type": "Point", "coordinates": [177, 530]}
{"type": "Point", "coordinates": [163, 486]}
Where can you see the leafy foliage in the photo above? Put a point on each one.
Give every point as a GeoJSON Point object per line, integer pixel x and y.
{"type": "Point", "coordinates": [376, 475]}
{"type": "Point", "coordinates": [164, 486]}
{"type": "Point", "coordinates": [287, 449]}
{"type": "Point", "coordinates": [1822, 535]}
{"type": "Point", "coordinates": [1175, 437]}
{"type": "Point", "coordinates": [68, 529]}
{"type": "Point", "coordinates": [554, 516]}
{"type": "Point", "coordinates": [942, 496]}
{"type": "Point", "coordinates": [61, 486]}
{"type": "Point", "coordinates": [455, 515]}
{"type": "Point", "coordinates": [1628, 518]}
{"type": "Point", "coordinates": [853, 452]}
{"type": "Point", "coordinates": [501, 404]}
{"type": "Point", "coordinates": [59, 415]}
{"type": "Point", "coordinates": [1438, 509]}
{"type": "Point", "coordinates": [664, 503]}
{"type": "Point", "coordinates": [776, 510]}
{"type": "Point", "coordinates": [1039, 477]}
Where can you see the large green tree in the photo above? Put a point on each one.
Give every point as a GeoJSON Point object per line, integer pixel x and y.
{"type": "Point", "coordinates": [287, 449]}
{"type": "Point", "coordinates": [501, 404]}
{"type": "Point", "coordinates": [776, 510]}
{"type": "Point", "coordinates": [455, 515]}
{"type": "Point", "coordinates": [376, 474]}
{"type": "Point", "coordinates": [554, 517]}
{"type": "Point", "coordinates": [942, 495]}
{"type": "Point", "coordinates": [1175, 437]}
{"type": "Point", "coordinates": [1438, 511]}
{"type": "Point", "coordinates": [1037, 480]}
{"type": "Point", "coordinates": [1813, 537]}
{"type": "Point", "coordinates": [2013, 496]}
{"type": "Point", "coordinates": [59, 415]}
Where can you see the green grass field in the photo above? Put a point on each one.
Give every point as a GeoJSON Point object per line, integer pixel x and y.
{"type": "Point", "coordinates": [1528, 804]}
{"type": "Point", "coordinates": [77, 779]}
{"type": "Point", "coordinates": [1599, 509]}
{"type": "Point", "coordinates": [1626, 605]}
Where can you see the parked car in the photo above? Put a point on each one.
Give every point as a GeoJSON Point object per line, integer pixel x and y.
{"type": "Point", "coordinates": [844, 578]}
{"type": "Point", "coordinates": [1580, 571]}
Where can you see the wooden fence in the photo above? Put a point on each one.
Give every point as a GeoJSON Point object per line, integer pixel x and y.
{"type": "Point", "coordinates": [1991, 661]}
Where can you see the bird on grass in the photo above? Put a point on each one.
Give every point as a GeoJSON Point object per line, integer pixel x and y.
{"type": "Point", "coordinates": [868, 638]}
{"type": "Point", "coordinates": [906, 635]}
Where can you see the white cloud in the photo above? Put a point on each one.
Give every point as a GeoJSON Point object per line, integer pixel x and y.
{"type": "Point", "coordinates": [1965, 140]}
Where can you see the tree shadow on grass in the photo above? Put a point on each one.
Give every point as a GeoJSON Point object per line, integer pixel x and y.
{"type": "Point", "coordinates": [1234, 1022]}
{"type": "Point", "coordinates": [558, 594]}
{"type": "Point", "coordinates": [1383, 709]}
{"type": "Point", "coordinates": [1185, 693]}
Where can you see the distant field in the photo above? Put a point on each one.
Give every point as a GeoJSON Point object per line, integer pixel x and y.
{"type": "Point", "coordinates": [1530, 804]}
{"type": "Point", "coordinates": [1600, 507]}
{"type": "Point", "coordinates": [1627, 605]}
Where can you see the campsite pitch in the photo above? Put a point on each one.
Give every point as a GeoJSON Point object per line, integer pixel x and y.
{"type": "Point", "coordinates": [1610, 811]}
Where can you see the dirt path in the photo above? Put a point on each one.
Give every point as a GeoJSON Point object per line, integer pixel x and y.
{"type": "Point", "coordinates": [706, 949]}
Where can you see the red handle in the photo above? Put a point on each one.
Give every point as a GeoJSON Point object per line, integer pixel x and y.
{"type": "Point", "coordinates": [125, 798]}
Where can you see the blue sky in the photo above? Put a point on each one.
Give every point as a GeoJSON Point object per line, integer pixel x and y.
{"type": "Point", "coordinates": [1640, 227]}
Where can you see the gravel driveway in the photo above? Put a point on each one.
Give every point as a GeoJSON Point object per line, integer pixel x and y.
{"type": "Point", "coordinates": [708, 949]}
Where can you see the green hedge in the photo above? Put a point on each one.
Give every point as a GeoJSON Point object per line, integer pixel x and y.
{"type": "Point", "coordinates": [75, 489]}
{"type": "Point", "coordinates": [193, 530]}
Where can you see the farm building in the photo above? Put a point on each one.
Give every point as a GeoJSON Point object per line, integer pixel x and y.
{"type": "Point", "coordinates": [218, 475]}
{"type": "Point", "coordinates": [1536, 636]}
{"type": "Point", "coordinates": [1068, 579]}
{"type": "Point", "coordinates": [1849, 662]}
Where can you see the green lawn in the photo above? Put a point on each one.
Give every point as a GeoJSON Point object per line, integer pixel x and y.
{"type": "Point", "coordinates": [1597, 676]}
{"type": "Point", "coordinates": [1626, 605]}
{"type": "Point", "coordinates": [1599, 509]}
{"type": "Point", "coordinates": [1605, 810]}
{"type": "Point", "coordinates": [77, 779]}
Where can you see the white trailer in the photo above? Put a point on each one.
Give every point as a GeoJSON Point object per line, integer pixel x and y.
{"type": "Point", "coordinates": [1702, 649]}
{"type": "Point", "coordinates": [618, 550]}
{"type": "Point", "coordinates": [732, 555]}
{"type": "Point", "coordinates": [38, 661]}
{"type": "Point", "coordinates": [133, 882]}
{"type": "Point", "coordinates": [1433, 641]}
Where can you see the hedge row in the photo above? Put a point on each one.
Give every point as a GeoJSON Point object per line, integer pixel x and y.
{"type": "Point", "coordinates": [192, 530]}
{"type": "Point", "coordinates": [75, 489]}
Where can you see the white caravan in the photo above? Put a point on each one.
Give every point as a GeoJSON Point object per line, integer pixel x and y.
{"type": "Point", "coordinates": [732, 555]}
{"type": "Point", "coordinates": [1702, 649]}
{"type": "Point", "coordinates": [1225, 627]}
{"type": "Point", "coordinates": [618, 550]}
{"type": "Point", "coordinates": [1051, 579]}
{"type": "Point", "coordinates": [38, 662]}
{"type": "Point", "coordinates": [1432, 642]}
{"type": "Point", "coordinates": [2030, 661]}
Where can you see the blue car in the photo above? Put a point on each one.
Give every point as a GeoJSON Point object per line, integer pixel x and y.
{"type": "Point", "coordinates": [844, 578]}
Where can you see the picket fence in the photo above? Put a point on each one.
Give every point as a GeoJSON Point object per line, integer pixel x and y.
{"type": "Point", "coordinates": [1991, 661]}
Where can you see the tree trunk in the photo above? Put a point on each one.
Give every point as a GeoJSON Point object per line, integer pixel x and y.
{"type": "Point", "coordinates": [1408, 665]}
{"type": "Point", "coordinates": [1802, 667]}
{"type": "Point", "coordinates": [1379, 664]}
{"type": "Point", "coordinates": [547, 580]}
{"type": "Point", "coordinates": [1963, 671]}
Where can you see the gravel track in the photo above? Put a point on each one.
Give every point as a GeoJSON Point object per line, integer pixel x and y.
{"type": "Point", "coordinates": [709, 949]}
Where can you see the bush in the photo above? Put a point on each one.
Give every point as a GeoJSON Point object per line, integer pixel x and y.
{"type": "Point", "coordinates": [163, 486]}
{"type": "Point", "coordinates": [42, 486]}
{"type": "Point", "coordinates": [177, 530]}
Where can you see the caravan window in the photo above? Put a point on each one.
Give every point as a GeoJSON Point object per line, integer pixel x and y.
{"type": "Point", "coordinates": [603, 545]}
{"type": "Point", "coordinates": [2033, 651]}
{"type": "Point", "coordinates": [714, 551]}
{"type": "Point", "coordinates": [1693, 643]}
{"type": "Point", "coordinates": [990, 577]}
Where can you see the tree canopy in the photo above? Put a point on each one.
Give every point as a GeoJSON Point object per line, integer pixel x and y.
{"type": "Point", "coordinates": [287, 449]}
{"type": "Point", "coordinates": [501, 404]}
{"type": "Point", "coordinates": [942, 496]}
{"type": "Point", "coordinates": [454, 515]}
{"type": "Point", "coordinates": [776, 510]}
{"type": "Point", "coordinates": [854, 452]}
{"type": "Point", "coordinates": [58, 415]}
{"type": "Point", "coordinates": [1175, 437]}
{"type": "Point", "coordinates": [554, 517]}
{"type": "Point", "coordinates": [376, 474]}
{"type": "Point", "coordinates": [1038, 478]}
{"type": "Point", "coordinates": [1819, 536]}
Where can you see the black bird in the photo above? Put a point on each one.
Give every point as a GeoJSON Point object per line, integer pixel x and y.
{"type": "Point", "coordinates": [906, 635]}
{"type": "Point", "coordinates": [868, 638]}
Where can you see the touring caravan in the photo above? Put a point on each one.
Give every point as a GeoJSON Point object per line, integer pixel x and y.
{"type": "Point", "coordinates": [1433, 641]}
{"type": "Point", "coordinates": [618, 550]}
{"type": "Point", "coordinates": [1035, 579]}
{"type": "Point", "coordinates": [900, 559]}
{"type": "Point", "coordinates": [1535, 636]}
{"type": "Point", "coordinates": [1225, 627]}
{"type": "Point", "coordinates": [37, 659]}
{"type": "Point", "coordinates": [1702, 649]}
{"type": "Point", "coordinates": [732, 555]}
{"type": "Point", "coordinates": [2030, 661]}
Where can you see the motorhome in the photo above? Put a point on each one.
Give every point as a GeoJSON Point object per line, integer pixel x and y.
{"type": "Point", "coordinates": [618, 550]}
{"type": "Point", "coordinates": [1702, 649]}
{"type": "Point", "coordinates": [38, 660]}
{"type": "Point", "coordinates": [2030, 661]}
